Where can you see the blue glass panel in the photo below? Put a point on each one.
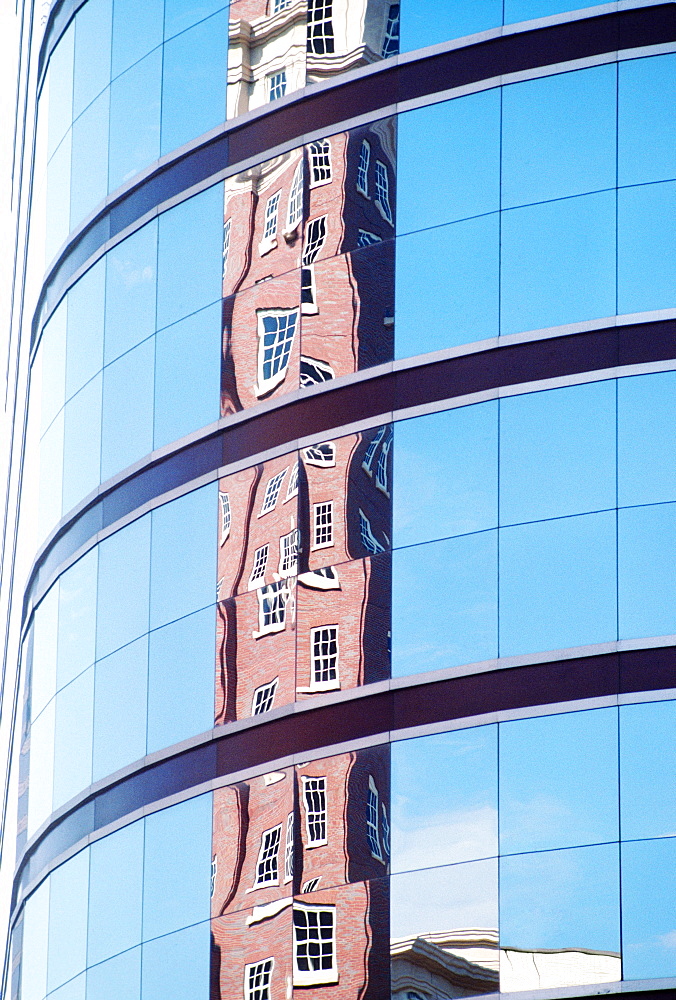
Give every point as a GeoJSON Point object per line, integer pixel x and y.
{"type": "Point", "coordinates": [131, 287]}
{"type": "Point", "coordinates": [45, 631]}
{"type": "Point", "coordinates": [646, 439]}
{"type": "Point", "coordinates": [115, 893]}
{"type": "Point", "coordinates": [647, 571]}
{"type": "Point", "coordinates": [177, 872]}
{"type": "Point", "coordinates": [120, 704]}
{"type": "Point", "coordinates": [194, 80]}
{"type": "Point", "coordinates": [647, 758]}
{"type": "Point", "coordinates": [437, 900]}
{"type": "Point", "coordinates": [557, 452]}
{"type": "Point", "coordinates": [137, 28]}
{"type": "Point", "coordinates": [84, 350]}
{"type": "Point", "coordinates": [445, 798]}
{"type": "Point", "coordinates": [35, 933]}
{"type": "Point", "coordinates": [558, 263]}
{"type": "Point", "coordinates": [181, 679]}
{"type": "Point", "coordinates": [89, 167]}
{"type": "Point", "coordinates": [51, 476]}
{"type": "Point", "coordinates": [77, 618]}
{"type": "Point", "coordinates": [183, 576]}
{"type": "Point", "coordinates": [177, 966]}
{"type": "Point", "coordinates": [444, 604]}
{"type": "Point", "coordinates": [82, 444]}
{"type": "Point", "coordinates": [557, 584]}
{"type": "Point", "coordinates": [135, 101]}
{"type": "Point", "coordinates": [73, 738]}
{"type": "Point", "coordinates": [647, 120]}
{"type": "Point", "coordinates": [648, 892]}
{"type": "Point", "coordinates": [93, 32]}
{"type": "Point", "coordinates": [646, 251]}
{"type": "Point", "coordinates": [180, 14]}
{"type": "Point", "coordinates": [187, 375]}
{"type": "Point", "coordinates": [561, 899]}
{"type": "Point", "coordinates": [428, 21]}
{"type": "Point", "coordinates": [558, 136]}
{"type": "Point", "coordinates": [60, 88]}
{"type": "Point", "coordinates": [41, 768]}
{"type": "Point", "coordinates": [447, 286]}
{"type": "Point", "coordinates": [549, 796]}
{"type": "Point", "coordinates": [128, 409]}
{"type": "Point", "coordinates": [52, 381]}
{"type": "Point", "coordinates": [123, 591]}
{"type": "Point", "coordinates": [459, 175]}
{"type": "Point", "coordinates": [58, 202]}
{"type": "Point", "coordinates": [68, 920]}
{"type": "Point", "coordinates": [119, 977]}
{"type": "Point", "coordinates": [446, 474]}
{"type": "Point", "coordinates": [187, 282]}
{"type": "Point", "coordinates": [75, 989]}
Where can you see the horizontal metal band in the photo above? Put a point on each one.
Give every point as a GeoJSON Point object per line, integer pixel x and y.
{"type": "Point", "coordinates": [310, 728]}
{"type": "Point", "coordinates": [371, 92]}
{"type": "Point", "coordinates": [377, 393]}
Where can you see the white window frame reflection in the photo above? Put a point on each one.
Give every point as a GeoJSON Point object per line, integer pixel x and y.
{"type": "Point", "coordinates": [382, 199]}
{"type": "Point", "coordinates": [272, 606]}
{"type": "Point", "coordinates": [323, 455]}
{"type": "Point", "coordinates": [315, 804]}
{"type": "Point", "coordinates": [322, 525]}
{"type": "Point", "coordinates": [267, 863]}
{"type": "Point", "coordinates": [276, 84]}
{"type": "Point", "coordinates": [373, 819]}
{"type": "Point", "coordinates": [324, 658]}
{"type": "Point", "coordinates": [292, 488]}
{"type": "Point", "coordinates": [289, 846]}
{"type": "Point", "coordinates": [294, 212]}
{"type": "Point", "coordinates": [257, 978]}
{"type": "Point", "coordinates": [259, 566]}
{"type": "Point", "coordinates": [274, 347]}
{"type": "Point", "coordinates": [321, 171]}
{"type": "Point", "coordinates": [272, 489]}
{"type": "Point", "coordinates": [363, 168]}
{"type": "Point", "coordinates": [288, 553]}
{"type": "Point", "coordinates": [270, 223]}
{"type": "Point", "coordinates": [307, 921]}
{"type": "Point", "coordinates": [226, 515]}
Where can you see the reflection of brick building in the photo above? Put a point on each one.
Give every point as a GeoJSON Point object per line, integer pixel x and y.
{"type": "Point", "coordinates": [298, 894]}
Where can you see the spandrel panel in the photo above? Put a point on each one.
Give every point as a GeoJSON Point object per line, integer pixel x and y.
{"type": "Point", "coordinates": [558, 136]}
{"type": "Point", "coordinates": [457, 269]}
{"type": "Point", "coordinates": [93, 34]}
{"type": "Point", "coordinates": [119, 976]}
{"type": "Point", "coordinates": [183, 558]}
{"type": "Point", "coordinates": [84, 343]}
{"type": "Point", "coordinates": [186, 283]}
{"type": "Point", "coordinates": [89, 164]}
{"type": "Point", "coordinates": [558, 584]}
{"type": "Point", "coordinates": [45, 632]}
{"type": "Point", "coordinates": [557, 452]}
{"type": "Point", "coordinates": [563, 909]}
{"type": "Point", "coordinates": [445, 799]}
{"type": "Point", "coordinates": [646, 120]}
{"type": "Point", "coordinates": [459, 175]}
{"type": "Point", "coordinates": [647, 754]}
{"type": "Point", "coordinates": [457, 621]}
{"type": "Point", "coordinates": [77, 618]}
{"type": "Point", "coordinates": [446, 474]}
{"type": "Point", "coordinates": [53, 366]}
{"type": "Point", "coordinates": [558, 263]}
{"type": "Point", "coordinates": [35, 935]}
{"type": "Point", "coordinates": [127, 426]}
{"type": "Point", "coordinates": [137, 28]}
{"type": "Point", "coordinates": [426, 22]}
{"type": "Point", "coordinates": [59, 89]}
{"type": "Point", "coordinates": [131, 288]}
{"type": "Point", "coordinates": [82, 444]}
{"type": "Point", "coordinates": [181, 672]}
{"type": "Point", "coordinates": [73, 738]}
{"type": "Point", "coordinates": [646, 439]}
{"type": "Point", "coordinates": [177, 966]}
{"type": "Point", "coordinates": [123, 590]}
{"type": "Point", "coordinates": [120, 709]}
{"type": "Point", "coordinates": [68, 920]}
{"type": "Point", "coordinates": [646, 255]}
{"type": "Point", "coordinates": [549, 796]}
{"type": "Point", "coordinates": [433, 909]}
{"type": "Point", "coordinates": [177, 867]}
{"type": "Point", "coordinates": [648, 909]}
{"type": "Point", "coordinates": [647, 571]}
{"type": "Point", "coordinates": [115, 893]}
{"type": "Point", "coordinates": [194, 81]}
{"type": "Point", "coordinates": [135, 101]}
{"type": "Point", "coordinates": [187, 377]}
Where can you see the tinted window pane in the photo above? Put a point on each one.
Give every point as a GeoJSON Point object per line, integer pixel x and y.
{"type": "Point", "coordinates": [647, 120]}
{"type": "Point", "coordinates": [93, 29]}
{"type": "Point", "coordinates": [135, 99]}
{"type": "Point", "coordinates": [446, 474]}
{"type": "Point", "coordinates": [82, 444]}
{"type": "Point", "coordinates": [447, 286]}
{"type": "Point", "coordinates": [425, 22]}
{"type": "Point", "coordinates": [73, 738]}
{"type": "Point", "coordinates": [444, 798]}
{"type": "Point", "coordinates": [124, 568]}
{"type": "Point", "coordinates": [131, 269]}
{"type": "Point", "coordinates": [557, 584]}
{"type": "Point", "coordinates": [646, 265]}
{"type": "Point", "coordinates": [77, 618]}
{"type": "Point", "coordinates": [648, 888]}
{"type": "Point", "coordinates": [137, 28]}
{"type": "Point", "coordinates": [647, 754]}
{"type": "Point", "coordinates": [89, 172]}
{"type": "Point", "coordinates": [647, 571]}
{"type": "Point", "coordinates": [115, 893]}
{"type": "Point", "coordinates": [549, 796]}
{"type": "Point", "coordinates": [116, 978]}
{"type": "Point", "coordinates": [459, 174]}
{"type": "Point", "coordinates": [444, 604]}
{"type": "Point", "coordinates": [68, 920]}
{"type": "Point", "coordinates": [84, 356]}
{"type": "Point", "coordinates": [646, 439]}
{"type": "Point", "coordinates": [177, 966]}
{"type": "Point", "coordinates": [557, 452]}
{"type": "Point", "coordinates": [128, 409]}
{"type": "Point", "coordinates": [558, 263]}
{"type": "Point", "coordinates": [120, 708]}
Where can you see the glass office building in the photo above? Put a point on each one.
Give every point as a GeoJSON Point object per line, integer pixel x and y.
{"type": "Point", "coordinates": [344, 597]}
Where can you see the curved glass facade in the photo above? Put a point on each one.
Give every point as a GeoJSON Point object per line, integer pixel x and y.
{"type": "Point", "coordinates": [377, 499]}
